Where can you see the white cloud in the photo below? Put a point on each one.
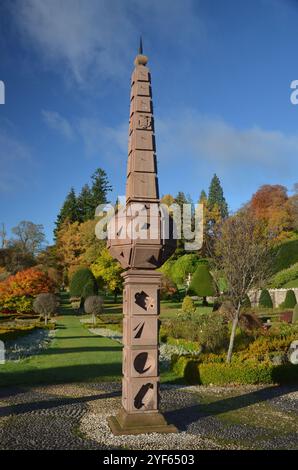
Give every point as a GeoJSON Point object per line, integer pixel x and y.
{"type": "Point", "coordinates": [110, 142]}
{"type": "Point", "coordinates": [96, 38]}
{"type": "Point", "coordinates": [203, 139]}
{"type": "Point", "coordinates": [55, 121]}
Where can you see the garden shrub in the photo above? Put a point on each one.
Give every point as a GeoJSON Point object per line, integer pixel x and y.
{"type": "Point", "coordinates": [249, 321]}
{"type": "Point", "coordinates": [188, 305]}
{"type": "Point", "coordinates": [168, 289]}
{"type": "Point", "coordinates": [183, 266]}
{"type": "Point", "coordinates": [265, 300]}
{"type": "Point", "coordinates": [45, 305]}
{"type": "Point", "coordinates": [83, 284]}
{"type": "Point", "coordinates": [17, 292]}
{"type": "Point", "coordinates": [93, 305]}
{"type": "Point", "coordinates": [253, 372]}
{"type": "Point", "coordinates": [290, 300]}
{"type": "Point", "coordinates": [212, 331]}
{"type": "Point", "coordinates": [208, 329]}
{"type": "Point", "coordinates": [178, 364]}
{"type": "Point", "coordinates": [295, 314]}
{"type": "Point", "coordinates": [202, 283]}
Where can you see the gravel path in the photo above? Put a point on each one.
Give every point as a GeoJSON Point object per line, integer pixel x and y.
{"type": "Point", "coordinates": [73, 416]}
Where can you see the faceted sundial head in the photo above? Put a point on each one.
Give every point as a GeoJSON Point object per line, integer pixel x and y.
{"type": "Point", "coordinates": [138, 236]}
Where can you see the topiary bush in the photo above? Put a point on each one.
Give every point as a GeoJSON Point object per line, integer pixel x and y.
{"type": "Point", "coordinates": [183, 266]}
{"type": "Point", "coordinates": [83, 284]}
{"type": "Point", "coordinates": [45, 305]}
{"type": "Point", "coordinates": [265, 300]}
{"type": "Point", "coordinates": [295, 314]}
{"type": "Point", "coordinates": [202, 283]}
{"type": "Point", "coordinates": [188, 305]}
{"type": "Point", "coordinates": [290, 300]}
{"type": "Point", "coordinates": [94, 306]}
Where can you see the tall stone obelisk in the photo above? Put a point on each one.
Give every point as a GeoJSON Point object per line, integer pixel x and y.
{"type": "Point", "coordinates": [139, 244]}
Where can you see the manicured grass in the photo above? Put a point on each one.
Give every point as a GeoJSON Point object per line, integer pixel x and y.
{"type": "Point", "coordinates": [74, 355]}
{"type": "Point", "coordinates": [171, 309]}
{"type": "Point", "coordinates": [291, 284]}
{"type": "Point", "coordinates": [168, 309]}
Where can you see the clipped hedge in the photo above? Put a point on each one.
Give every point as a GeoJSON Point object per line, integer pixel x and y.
{"type": "Point", "coordinates": [265, 300]}
{"type": "Point", "coordinates": [251, 372]}
{"type": "Point", "coordinates": [290, 300]}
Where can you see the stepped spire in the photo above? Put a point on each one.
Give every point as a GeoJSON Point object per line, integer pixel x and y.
{"type": "Point", "coordinates": [141, 46]}
{"type": "Point", "coordinates": [142, 182]}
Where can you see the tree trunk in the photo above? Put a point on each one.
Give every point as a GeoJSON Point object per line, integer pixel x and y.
{"type": "Point", "coordinates": [46, 320]}
{"type": "Point", "coordinates": [232, 337]}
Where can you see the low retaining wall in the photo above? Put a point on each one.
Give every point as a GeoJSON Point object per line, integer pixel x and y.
{"type": "Point", "coordinates": [277, 296]}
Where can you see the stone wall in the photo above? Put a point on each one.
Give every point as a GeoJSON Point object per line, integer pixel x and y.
{"type": "Point", "coordinates": [277, 296]}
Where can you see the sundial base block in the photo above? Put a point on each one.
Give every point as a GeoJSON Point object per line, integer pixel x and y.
{"type": "Point", "coordinates": [139, 423]}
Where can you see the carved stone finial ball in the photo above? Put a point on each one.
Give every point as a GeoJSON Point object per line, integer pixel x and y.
{"type": "Point", "coordinates": [141, 60]}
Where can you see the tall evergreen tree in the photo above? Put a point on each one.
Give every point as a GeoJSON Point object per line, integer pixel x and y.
{"type": "Point", "coordinates": [69, 211]}
{"type": "Point", "coordinates": [100, 188]}
{"type": "Point", "coordinates": [85, 204]}
{"type": "Point", "coordinates": [216, 197]}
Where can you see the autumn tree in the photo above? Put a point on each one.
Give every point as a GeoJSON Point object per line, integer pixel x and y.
{"type": "Point", "coordinates": [108, 272]}
{"type": "Point", "coordinates": [77, 245]}
{"type": "Point", "coordinates": [243, 257]}
{"type": "Point", "coordinates": [271, 205]}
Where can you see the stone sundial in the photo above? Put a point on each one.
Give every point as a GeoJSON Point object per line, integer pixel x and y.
{"type": "Point", "coordinates": [140, 245]}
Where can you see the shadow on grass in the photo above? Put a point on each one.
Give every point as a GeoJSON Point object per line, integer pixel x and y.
{"type": "Point", "coordinates": [20, 408]}
{"type": "Point", "coordinates": [183, 417]}
{"type": "Point", "coordinates": [51, 351]}
{"type": "Point", "coordinates": [64, 374]}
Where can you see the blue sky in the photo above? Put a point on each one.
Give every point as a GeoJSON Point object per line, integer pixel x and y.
{"type": "Point", "coordinates": [221, 74]}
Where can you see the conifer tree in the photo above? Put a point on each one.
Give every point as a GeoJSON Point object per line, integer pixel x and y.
{"type": "Point", "coordinates": [69, 211]}
{"type": "Point", "coordinates": [85, 204]}
{"type": "Point", "coordinates": [100, 188]}
{"type": "Point", "coordinates": [216, 197]}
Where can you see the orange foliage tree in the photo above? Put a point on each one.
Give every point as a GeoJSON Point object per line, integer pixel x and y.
{"type": "Point", "coordinates": [272, 205]}
{"type": "Point", "coordinates": [17, 292]}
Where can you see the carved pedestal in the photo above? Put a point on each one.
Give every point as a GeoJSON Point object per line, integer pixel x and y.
{"type": "Point", "coordinates": [140, 384]}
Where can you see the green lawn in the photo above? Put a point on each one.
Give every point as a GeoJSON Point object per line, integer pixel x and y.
{"type": "Point", "coordinates": [74, 355]}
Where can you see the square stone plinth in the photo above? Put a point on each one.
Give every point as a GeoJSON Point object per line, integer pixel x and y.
{"type": "Point", "coordinates": [129, 423]}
